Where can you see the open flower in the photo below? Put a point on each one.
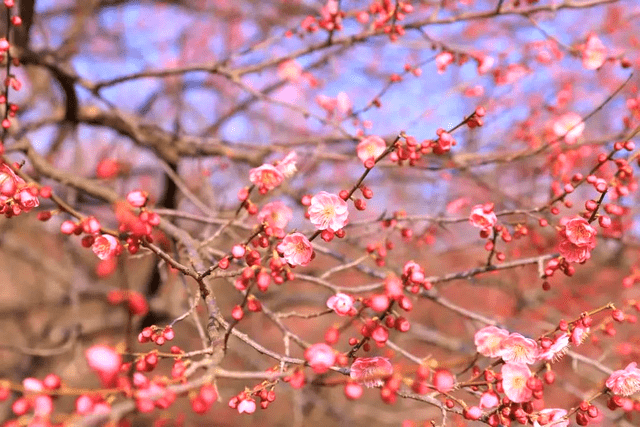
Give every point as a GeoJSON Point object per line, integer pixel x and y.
{"type": "Point", "coordinates": [266, 177]}
{"type": "Point", "coordinates": [514, 382]}
{"type": "Point", "coordinates": [579, 238]}
{"type": "Point", "coordinates": [371, 371]}
{"type": "Point", "coordinates": [26, 199]}
{"type": "Point", "coordinates": [105, 246]}
{"type": "Point", "coordinates": [296, 249]}
{"type": "Point", "coordinates": [579, 232]}
{"type": "Point", "coordinates": [594, 53]}
{"type": "Point", "coordinates": [328, 211]}
{"type": "Point", "coordinates": [443, 59]}
{"type": "Point", "coordinates": [570, 126]}
{"type": "Point", "coordinates": [276, 214]}
{"type": "Point", "coordinates": [320, 357]}
{"type": "Point", "coordinates": [558, 349]}
{"type": "Point", "coordinates": [288, 165]}
{"type": "Point", "coordinates": [342, 304]}
{"type": "Point", "coordinates": [483, 217]}
{"type": "Point", "coordinates": [488, 340]}
{"type": "Point", "coordinates": [518, 349]}
{"type": "Point", "coordinates": [370, 148]}
{"type": "Point", "coordinates": [626, 381]}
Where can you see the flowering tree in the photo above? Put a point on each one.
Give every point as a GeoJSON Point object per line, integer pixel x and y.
{"type": "Point", "coordinates": [314, 207]}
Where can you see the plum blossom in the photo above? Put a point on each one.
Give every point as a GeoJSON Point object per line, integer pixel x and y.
{"type": "Point", "coordinates": [26, 199]}
{"type": "Point", "coordinates": [580, 232]}
{"type": "Point", "coordinates": [579, 239]}
{"type": "Point", "coordinates": [444, 381]}
{"type": "Point", "coordinates": [105, 246]}
{"type": "Point", "coordinates": [287, 166]}
{"type": "Point", "coordinates": [343, 103]}
{"type": "Point", "coordinates": [485, 63]}
{"type": "Point", "coordinates": [570, 126]}
{"type": "Point", "coordinates": [328, 211]}
{"type": "Point", "coordinates": [594, 53]}
{"type": "Point", "coordinates": [413, 272]}
{"type": "Point", "coordinates": [320, 357]}
{"type": "Point", "coordinates": [105, 361]}
{"type": "Point", "coordinates": [514, 382]}
{"type": "Point", "coordinates": [518, 349]}
{"type": "Point", "coordinates": [626, 381]}
{"type": "Point", "coordinates": [579, 334]}
{"type": "Point", "coordinates": [247, 406]}
{"type": "Point", "coordinates": [296, 249]}
{"type": "Point", "coordinates": [370, 148]}
{"type": "Point", "coordinates": [489, 399]}
{"type": "Point", "coordinates": [489, 339]}
{"type": "Point", "coordinates": [276, 215]}
{"type": "Point", "coordinates": [266, 177]}
{"type": "Point", "coordinates": [9, 181]}
{"type": "Point", "coordinates": [555, 415]}
{"type": "Point", "coordinates": [137, 198]}
{"type": "Point", "coordinates": [290, 70]}
{"type": "Point", "coordinates": [371, 371]}
{"type": "Point", "coordinates": [558, 349]}
{"type": "Point", "coordinates": [483, 217]}
{"type": "Point", "coordinates": [443, 59]}
{"type": "Point", "coordinates": [342, 304]}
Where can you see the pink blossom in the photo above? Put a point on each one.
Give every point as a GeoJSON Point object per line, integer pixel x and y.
{"type": "Point", "coordinates": [413, 272]}
{"type": "Point", "coordinates": [370, 148]}
{"type": "Point", "coordinates": [320, 357]}
{"type": "Point", "coordinates": [343, 103]}
{"type": "Point", "coordinates": [371, 371]}
{"type": "Point", "coordinates": [328, 211]}
{"type": "Point", "coordinates": [342, 304]}
{"type": "Point", "coordinates": [594, 53]}
{"type": "Point", "coordinates": [9, 181]}
{"type": "Point", "coordinates": [518, 349]}
{"type": "Point", "coordinates": [489, 399]}
{"type": "Point", "coordinates": [296, 249]}
{"type": "Point", "coordinates": [578, 239]}
{"type": "Point", "coordinates": [485, 63]}
{"type": "Point", "coordinates": [443, 59]}
{"type": "Point", "coordinates": [137, 198]}
{"type": "Point", "coordinates": [573, 253]}
{"type": "Point", "coordinates": [105, 361]}
{"type": "Point", "coordinates": [266, 177]}
{"type": "Point", "coordinates": [488, 340]}
{"type": "Point", "coordinates": [290, 70]}
{"type": "Point", "coordinates": [276, 215]}
{"type": "Point", "coordinates": [26, 199]}
{"type": "Point", "coordinates": [559, 347]}
{"type": "Point", "coordinates": [327, 103]}
{"type": "Point", "coordinates": [626, 381]}
{"type": "Point", "coordinates": [483, 218]}
{"type": "Point", "coordinates": [579, 232]}
{"type": "Point", "coordinates": [570, 126]}
{"type": "Point", "coordinates": [33, 385]}
{"type": "Point", "coordinates": [105, 246]}
{"type": "Point", "coordinates": [554, 415]}
{"type": "Point", "coordinates": [514, 382]}
{"type": "Point", "coordinates": [287, 166]}
{"type": "Point", "coordinates": [579, 334]}
{"type": "Point", "coordinates": [511, 74]}
{"type": "Point", "coordinates": [42, 405]}
{"type": "Point", "coordinates": [247, 406]}
{"type": "Point", "coordinates": [444, 381]}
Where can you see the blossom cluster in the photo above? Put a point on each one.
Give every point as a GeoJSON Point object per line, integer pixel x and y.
{"type": "Point", "coordinates": [16, 196]}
